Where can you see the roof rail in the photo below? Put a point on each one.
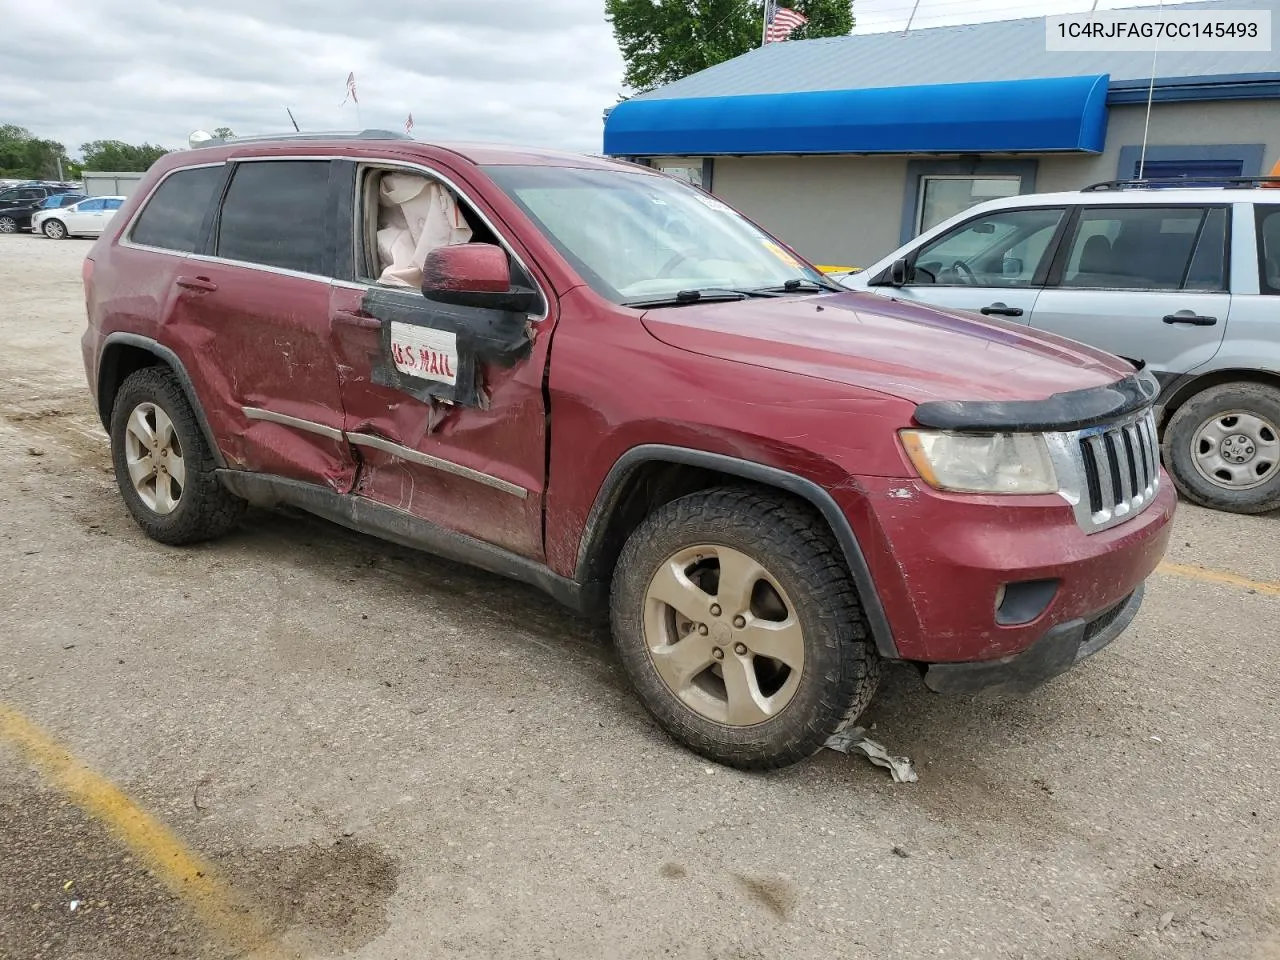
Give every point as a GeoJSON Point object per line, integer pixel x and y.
{"type": "Point", "coordinates": [372, 134]}
{"type": "Point", "coordinates": [1228, 183]}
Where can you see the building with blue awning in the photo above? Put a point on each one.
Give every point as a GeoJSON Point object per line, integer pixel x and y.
{"type": "Point", "coordinates": [848, 146]}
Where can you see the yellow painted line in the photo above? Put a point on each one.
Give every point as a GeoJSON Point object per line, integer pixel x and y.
{"type": "Point", "coordinates": [1205, 575]}
{"type": "Point", "coordinates": [227, 917]}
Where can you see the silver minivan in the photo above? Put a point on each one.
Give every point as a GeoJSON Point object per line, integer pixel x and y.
{"type": "Point", "coordinates": [1182, 281]}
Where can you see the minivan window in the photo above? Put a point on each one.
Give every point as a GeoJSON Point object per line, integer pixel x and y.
{"type": "Point", "coordinates": [276, 213]}
{"type": "Point", "coordinates": [1147, 248]}
{"type": "Point", "coordinates": [175, 213]}
{"type": "Point", "coordinates": [1269, 248]}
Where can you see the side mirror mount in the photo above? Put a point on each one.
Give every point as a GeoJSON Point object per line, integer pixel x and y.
{"type": "Point", "coordinates": [474, 275]}
{"type": "Point", "coordinates": [1011, 267]}
{"type": "Point", "coordinates": [898, 273]}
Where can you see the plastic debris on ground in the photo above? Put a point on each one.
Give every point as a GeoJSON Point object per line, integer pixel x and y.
{"type": "Point", "coordinates": [855, 738]}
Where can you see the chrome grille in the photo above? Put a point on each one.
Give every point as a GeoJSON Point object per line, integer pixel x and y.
{"type": "Point", "coordinates": [1117, 470]}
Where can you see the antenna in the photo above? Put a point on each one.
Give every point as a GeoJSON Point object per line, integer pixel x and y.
{"type": "Point", "coordinates": [296, 128]}
{"type": "Point", "coordinates": [1151, 92]}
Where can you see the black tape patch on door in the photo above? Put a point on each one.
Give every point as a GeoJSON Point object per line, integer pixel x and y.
{"type": "Point", "coordinates": [434, 351]}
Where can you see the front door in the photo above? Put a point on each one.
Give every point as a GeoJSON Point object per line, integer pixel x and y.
{"type": "Point", "coordinates": [253, 312]}
{"type": "Point", "coordinates": [992, 264]}
{"type": "Point", "coordinates": [444, 405]}
{"type": "Point", "coordinates": [1147, 283]}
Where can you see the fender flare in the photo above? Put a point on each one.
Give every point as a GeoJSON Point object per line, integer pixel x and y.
{"type": "Point", "coordinates": [826, 505]}
{"type": "Point", "coordinates": [170, 359]}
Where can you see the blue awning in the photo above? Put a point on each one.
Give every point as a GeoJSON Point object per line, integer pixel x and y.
{"type": "Point", "coordinates": [1057, 114]}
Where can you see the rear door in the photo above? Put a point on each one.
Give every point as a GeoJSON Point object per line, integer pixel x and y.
{"type": "Point", "coordinates": [463, 444]}
{"type": "Point", "coordinates": [1145, 282]}
{"type": "Point", "coordinates": [993, 263]}
{"type": "Point", "coordinates": [252, 310]}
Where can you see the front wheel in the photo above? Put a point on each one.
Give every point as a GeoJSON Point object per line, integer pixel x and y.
{"type": "Point", "coordinates": [163, 464]}
{"type": "Point", "coordinates": [740, 629]}
{"type": "Point", "coordinates": [1222, 448]}
{"type": "Point", "coordinates": [55, 230]}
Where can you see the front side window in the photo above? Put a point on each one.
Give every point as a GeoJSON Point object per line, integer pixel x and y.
{"type": "Point", "coordinates": [1269, 248]}
{"type": "Point", "coordinates": [636, 238]}
{"type": "Point", "coordinates": [1147, 248]}
{"type": "Point", "coordinates": [943, 197]}
{"type": "Point", "coordinates": [173, 217]}
{"type": "Point", "coordinates": [276, 213]}
{"type": "Point", "coordinates": [1002, 249]}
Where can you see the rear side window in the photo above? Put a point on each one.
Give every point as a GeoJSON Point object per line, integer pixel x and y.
{"type": "Point", "coordinates": [1269, 248]}
{"type": "Point", "coordinates": [175, 213]}
{"type": "Point", "coordinates": [276, 213]}
{"type": "Point", "coordinates": [1147, 248]}
{"type": "Point", "coordinates": [90, 205]}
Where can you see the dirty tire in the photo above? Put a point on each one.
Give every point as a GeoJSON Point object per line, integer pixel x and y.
{"type": "Point", "coordinates": [841, 668]}
{"type": "Point", "coordinates": [1179, 442]}
{"type": "Point", "coordinates": [205, 509]}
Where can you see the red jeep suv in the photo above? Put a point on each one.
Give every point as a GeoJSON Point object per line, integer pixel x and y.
{"type": "Point", "coordinates": [607, 383]}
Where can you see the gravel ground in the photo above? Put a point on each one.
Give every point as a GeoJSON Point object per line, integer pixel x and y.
{"type": "Point", "coordinates": [394, 757]}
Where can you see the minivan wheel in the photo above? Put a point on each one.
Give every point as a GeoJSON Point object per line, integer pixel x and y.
{"type": "Point", "coordinates": [740, 629]}
{"type": "Point", "coordinates": [8, 225]}
{"type": "Point", "coordinates": [1222, 448]}
{"type": "Point", "coordinates": [55, 230]}
{"type": "Point", "coordinates": [163, 465]}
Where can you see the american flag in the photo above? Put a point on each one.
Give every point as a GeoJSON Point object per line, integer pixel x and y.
{"type": "Point", "coordinates": [408, 124]}
{"type": "Point", "coordinates": [351, 90]}
{"type": "Point", "coordinates": [780, 22]}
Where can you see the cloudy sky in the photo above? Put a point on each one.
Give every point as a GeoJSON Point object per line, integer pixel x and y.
{"type": "Point", "coordinates": [531, 71]}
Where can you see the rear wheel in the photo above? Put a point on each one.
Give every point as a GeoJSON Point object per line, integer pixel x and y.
{"type": "Point", "coordinates": [55, 230]}
{"type": "Point", "coordinates": [740, 629]}
{"type": "Point", "coordinates": [1223, 448]}
{"type": "Point", "coordinates": [163, 465]}
{"type": "Point", "coordinates": [8, 225]}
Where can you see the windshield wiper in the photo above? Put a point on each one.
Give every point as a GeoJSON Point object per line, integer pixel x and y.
{"type": "Point", "coordinates": [796, 285]}
{"type": "Point", "coordinates": [684, 298]}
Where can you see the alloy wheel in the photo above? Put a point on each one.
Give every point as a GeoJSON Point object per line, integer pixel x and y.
{"type": "Point", "coordinates": [54, 230]}
{"type": "Point", "coordinates": [153, 454]}
{"type": "Point", "coordinates": [8, 225]}
{"type": "Point", "coordinates": [723, 635]}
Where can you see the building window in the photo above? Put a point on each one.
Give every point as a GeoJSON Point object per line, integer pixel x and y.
{"type": "Point", "coordinates": [1209, 164]}
{"type": "Point", "coordinates": [696, 171]}
{"type": "Point", "coordinates": [943, 197]}
{"type": "Point", "coordinates": [939, 189]}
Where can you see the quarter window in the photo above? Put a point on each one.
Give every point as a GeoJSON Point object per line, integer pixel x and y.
{"type": "Point", "coordinates": [1148, 248]}
{"type": "Point", "coordinates": [175, 213]}
{"type": "Point", "coordinates": [1002, 249]}
{"type": "Point", "coordinates": [1269, 248]}
{"type": "Point", "coordinates": [276, 213]}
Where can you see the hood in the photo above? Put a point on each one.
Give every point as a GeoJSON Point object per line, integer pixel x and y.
{"type": "Point", "coordinates": [914, 352]}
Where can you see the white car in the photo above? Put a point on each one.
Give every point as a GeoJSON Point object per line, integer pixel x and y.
{"type": "Point", "coordinates": [88, 218]}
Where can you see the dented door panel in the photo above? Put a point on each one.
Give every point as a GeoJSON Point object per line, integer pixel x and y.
{"type": "Point", "coordinates": [476, 465]}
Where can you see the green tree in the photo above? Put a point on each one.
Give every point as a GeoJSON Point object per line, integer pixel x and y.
{"type": "Point", "coordinates": [24, 156]}
{"type": "Point", "coordinates": [116, 155]}
{"type": "Point", "coordinates": [223, 133]}
{"type": "Point", "coordinates": [665, 40]}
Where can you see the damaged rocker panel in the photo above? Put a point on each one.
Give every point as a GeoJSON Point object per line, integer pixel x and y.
{"type": "Point", "coordinates": [388, 447]}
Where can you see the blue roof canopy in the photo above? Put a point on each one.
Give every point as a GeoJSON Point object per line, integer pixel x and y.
{"type": "Point", "coordinates": [1039, 115]}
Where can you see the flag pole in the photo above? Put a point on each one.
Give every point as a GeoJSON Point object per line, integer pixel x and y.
{"type": "Point", "coordinates": [764, 28]}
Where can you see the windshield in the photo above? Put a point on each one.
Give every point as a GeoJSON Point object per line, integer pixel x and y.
{"type": "Point", "coordinates": [638, 238]}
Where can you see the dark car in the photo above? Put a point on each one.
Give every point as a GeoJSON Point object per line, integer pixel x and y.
{"type": "Point", "coordinates": [17, 204]}
{"type": "Point", "coordinates": [606, 382]}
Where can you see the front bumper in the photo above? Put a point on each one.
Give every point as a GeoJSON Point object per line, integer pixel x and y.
{"type": "Point", "coordinates": [1059, 649]}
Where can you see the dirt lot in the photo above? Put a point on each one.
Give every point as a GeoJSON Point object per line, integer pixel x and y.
{"type": "Point", "coordinates": [385, 756]}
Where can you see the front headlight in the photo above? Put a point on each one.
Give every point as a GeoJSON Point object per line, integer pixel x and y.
{"type": "Point", "coordinates": [982, 463]}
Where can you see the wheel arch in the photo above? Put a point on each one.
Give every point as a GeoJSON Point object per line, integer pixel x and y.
{"type": "Point", "coordinates": [124, 354]}
{"type": "Point", "coordinates": [1186, 387]}
{"type": "Point", "coordinates": [647, 476]}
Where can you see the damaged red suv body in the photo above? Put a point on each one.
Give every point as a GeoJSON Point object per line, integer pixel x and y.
{"type": "Point", "coordinates": [604, 382]}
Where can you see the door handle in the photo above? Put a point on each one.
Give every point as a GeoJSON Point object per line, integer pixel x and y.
{"type": "Point", "coordinates": [1191, 319]}
{"type": "Point", "coordinates": [1001, 310]}
{"type": "Point", "coordinates": [358, 320]}
{"type": "Point", "coordinates": [197, 283]}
